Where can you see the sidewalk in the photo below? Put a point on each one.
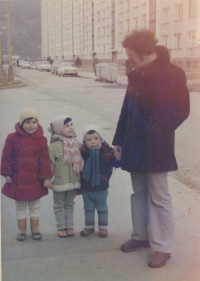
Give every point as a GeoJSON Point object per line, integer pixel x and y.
{"type": "Point", "coordinates": [87, 72]}
{"type": "Point", "coordinates": [122, 80]}
{"type": "Point", "coordinates": [5, 84]}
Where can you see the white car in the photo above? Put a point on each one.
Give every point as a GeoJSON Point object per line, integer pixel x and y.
{"type": "Point", "coordinates": [67, 68]}
{"type": "Point", "coordinates": [26, 64]}
{"type": "Point", "coordinates": [44, 65]}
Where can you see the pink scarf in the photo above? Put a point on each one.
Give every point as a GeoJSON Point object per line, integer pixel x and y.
{"type": "Point", "coordinates": [72, 154]}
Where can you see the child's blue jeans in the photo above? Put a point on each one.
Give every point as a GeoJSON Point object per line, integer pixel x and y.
{"type": "Point", "coordinates": [95, 200]}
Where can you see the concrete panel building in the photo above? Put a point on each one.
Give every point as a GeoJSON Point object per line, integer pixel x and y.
{"type": "Point", "coordinates": [96, 28]}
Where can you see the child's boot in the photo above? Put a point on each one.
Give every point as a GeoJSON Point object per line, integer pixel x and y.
{"type": "Point", "coordinates": [103, 233]}
{"type": "Point", "coordinates": [36, 235]}
{"type": "Point", "coordinates": [86, 232]}
{"type": "Point", "coordinates": [21, 235]}
{"type": "Point", "coordinates": [70, 232]}
{"type": "Point", "coordinates": [62, 233]}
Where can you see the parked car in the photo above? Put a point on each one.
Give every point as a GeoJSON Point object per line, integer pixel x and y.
{"type": "Point", "coordinates": [55, 65]}
{"type": "Point", "coordinates": [26, 64]}
{"type": "Point", "coordinates": [67, 68]}
{"type": "Point", "coordinates": [44, 65]}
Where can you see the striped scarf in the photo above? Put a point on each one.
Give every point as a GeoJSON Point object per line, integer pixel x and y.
{"type": "Point", "coordinates": [92, 169]}
{"type": "Point", "coordinates": [72, 154]}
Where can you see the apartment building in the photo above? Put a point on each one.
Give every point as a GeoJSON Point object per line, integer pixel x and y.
{"type": "Point", "coordinates": [96, 28]}
{"type": "Point", "coordinates": [179, 30]}
{"type": "Point", "coordinates": [89, 28]}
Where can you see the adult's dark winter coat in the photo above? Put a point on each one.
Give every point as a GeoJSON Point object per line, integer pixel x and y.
{"type": "Point", "coordinates": [26, 160]}
{"type": "Point", "coordinates": [155, 105]}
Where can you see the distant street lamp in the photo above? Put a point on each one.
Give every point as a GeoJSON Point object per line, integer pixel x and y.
{"type": "Point", "coordinates": [10, 68]}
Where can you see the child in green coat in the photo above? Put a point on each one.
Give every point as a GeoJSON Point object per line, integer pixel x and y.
{"type": "Point", "coordinates": [67, 163]}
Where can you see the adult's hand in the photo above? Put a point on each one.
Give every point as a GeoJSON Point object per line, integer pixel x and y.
{"type": "Point", "coordinates": [118, 152]}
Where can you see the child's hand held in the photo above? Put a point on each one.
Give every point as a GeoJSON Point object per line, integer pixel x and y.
{"type": "Point", "coordinates": [118, 152]}
{"type": "Point", "coordinates": [118, 156]}
{"type": "Point", "coordinates": [8, 179]}
{"type": "Point", "coordinates": [47, 184]}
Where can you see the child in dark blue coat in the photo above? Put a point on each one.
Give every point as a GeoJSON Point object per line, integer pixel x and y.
{"type": "Point", "coordinates": [99, 161]}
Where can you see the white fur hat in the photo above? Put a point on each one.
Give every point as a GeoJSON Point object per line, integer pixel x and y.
{"type": "Point", "coordinates": [90, 127]}
{"type": "Point", "coordinates": [28, 113]}
{"type": "Point", "coordinates": [56, 125]}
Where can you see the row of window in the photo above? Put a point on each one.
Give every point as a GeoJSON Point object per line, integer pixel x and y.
{"type": "Point", "coordinates": [101, 15]}
{"type": "Point", "coordinates": [103, 48]}
{"type": "Point", "coordinates": [124, 27]}
{"type": "Point", "coordinates": [125, 4]}
{"type": "Point", "coordinates": [101, 32]}
{"type": "Point", "coordinates": [178, 42]}
{"type": "Point", "coordinates": [133, 24]}
{"type": "Point", "coordinates": [187, 64]}
{"type": "Point", "coordinates": [178, 11]}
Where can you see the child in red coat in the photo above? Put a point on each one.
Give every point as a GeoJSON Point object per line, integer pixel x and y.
{"type": "Point", "coordinates": [26, 166]}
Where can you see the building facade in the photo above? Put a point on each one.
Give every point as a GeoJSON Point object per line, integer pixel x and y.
{"type": "Point", "coordinates": [179, 31]}
{"type": "Point", "coordinates": [96, 28]}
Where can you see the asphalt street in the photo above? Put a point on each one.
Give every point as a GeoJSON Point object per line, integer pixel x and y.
{"type": "Point", "coordinates": [92, 258]}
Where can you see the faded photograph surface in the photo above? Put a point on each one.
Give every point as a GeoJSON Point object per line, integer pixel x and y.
{"type": "Point", "coordinates": [99, 146]}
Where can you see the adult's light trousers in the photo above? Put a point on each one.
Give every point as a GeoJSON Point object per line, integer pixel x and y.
{"type": "Point", "coordinates": [152, 214]}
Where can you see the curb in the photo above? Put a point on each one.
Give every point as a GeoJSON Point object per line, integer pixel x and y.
{"type": "Point", "coordinates": [81, 76]}
{"type": "Point", "coordinates": [121, 84]}
{"type": "Point", "coordinates": [14, 86]}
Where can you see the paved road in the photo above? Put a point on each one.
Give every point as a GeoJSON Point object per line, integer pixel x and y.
{"type": "Point", "coordinates": [95, 259]}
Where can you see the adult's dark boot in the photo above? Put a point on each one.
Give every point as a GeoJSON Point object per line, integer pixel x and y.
{"type": "Point", "coordinates": [132, 245]}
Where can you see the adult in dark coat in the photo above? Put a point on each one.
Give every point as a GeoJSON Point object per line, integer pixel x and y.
{"type": "Point", "coordinates": [155, 105]}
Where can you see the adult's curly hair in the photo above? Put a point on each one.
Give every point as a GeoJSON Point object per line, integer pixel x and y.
{"type": "Point", "coordinates": [142, 41]}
